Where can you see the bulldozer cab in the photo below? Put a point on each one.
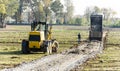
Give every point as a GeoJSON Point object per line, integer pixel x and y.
{"type": "Point", "coordinates": [39, 33]}
{"type": "Point", "coordinates": [40, 26]}
{"type": "Point", "coordinates": [36, 38]}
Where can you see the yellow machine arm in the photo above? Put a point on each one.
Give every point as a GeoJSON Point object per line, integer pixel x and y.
{"type": "Point", "coordinates": [50, 33]}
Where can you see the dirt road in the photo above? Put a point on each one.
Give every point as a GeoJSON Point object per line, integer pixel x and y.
{"type": "Point", "coordinates": [64, 61]}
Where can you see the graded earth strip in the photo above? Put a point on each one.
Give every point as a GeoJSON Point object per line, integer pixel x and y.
{"type": "Point", "coordinates": [61, 62]}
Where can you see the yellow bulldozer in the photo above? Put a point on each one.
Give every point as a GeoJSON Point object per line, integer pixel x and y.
{"type": "Point", "coordinates": [40, 39]}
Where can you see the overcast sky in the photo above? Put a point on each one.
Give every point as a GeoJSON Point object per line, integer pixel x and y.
{"type": "Point", "coordinates": [80, 5]}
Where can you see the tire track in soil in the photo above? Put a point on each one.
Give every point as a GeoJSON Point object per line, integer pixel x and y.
{"type": "Point", "coordinates": [65, 61]}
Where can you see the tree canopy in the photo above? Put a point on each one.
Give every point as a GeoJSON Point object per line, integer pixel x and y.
{"type": "Point", "coordinates": [7, 8]}
{"type": "Point", "coordinates": [52, 10]}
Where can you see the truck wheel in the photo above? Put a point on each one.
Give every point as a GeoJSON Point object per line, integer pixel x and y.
{"type": "Point", "coordinates": [25, 49]}
{"type": "Point", "coordinates": [55, 46]}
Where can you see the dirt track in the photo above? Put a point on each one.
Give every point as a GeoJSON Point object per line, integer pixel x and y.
{"type": "Point", "coordinates": [64, 61]}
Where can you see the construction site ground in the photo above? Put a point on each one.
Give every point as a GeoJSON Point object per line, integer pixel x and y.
{"type": "Point", "coordinates": [66, 59]}
{"type": "Point", "coordinates": [109, 60]}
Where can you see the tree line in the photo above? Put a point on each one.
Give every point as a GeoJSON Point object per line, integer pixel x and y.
{"type": "Point", "coordinates": [39, 10]}
{"type": "Point", "coordinates": [52, 11]}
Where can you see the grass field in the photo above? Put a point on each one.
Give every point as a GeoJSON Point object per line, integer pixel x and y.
{"type": "Point", "coordinates": [11, 37]}
{"type": "Point", "coordinates": [10, 47]}
{"type": "Point", "coordinates": [109, 60]}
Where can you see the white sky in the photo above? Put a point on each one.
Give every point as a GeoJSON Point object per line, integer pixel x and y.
{"type": "Point", "coordinates": [80, 5]}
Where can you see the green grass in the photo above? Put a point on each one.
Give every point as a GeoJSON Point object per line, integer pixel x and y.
{"type": "Point", "coordinates": [17, 27]}
{"type": "Point", "coordinates": [109, 60]}
{"type": "Point", "coordinates": [10, 53]}
{"type": "Point", "coordinates": [114, 38]}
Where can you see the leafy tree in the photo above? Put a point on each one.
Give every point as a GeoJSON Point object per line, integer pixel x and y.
{"type": "Point", "coordinates": [40, 9]}
{"type": "Point", "coordinates": [91, 10]}
{"type": "Point", "coordinates": [96, 9]}
{"type": "Point", "coordinates": [2, 13]}
{"type": "Point", "coordinates": [108, 15]}
{"type": "Point", "coordinates": [72, 21]}
{"type": "Point", "coordinates": [46, 8]}
{"type": "Point", "coordinates": [69, 9]}
{"type": "Point", "coordinates": [78, 21]}
{"type": "Point", "coordinates": [41, 12]}
{"type": "Point", "coordinates": [43, 9]}
{"type": "Point", "coordinates": [2, 9]}
{"type": "Point", "coordinates": [47, 2]}
{"type": "Point", "coordinates": [57, 8]}
{"type": "Point", "coordinates": [84, 21]}
{"type": "Point", "coordinates": [7, 8]}
{"type": "Point", "coordinates": [12, 8]}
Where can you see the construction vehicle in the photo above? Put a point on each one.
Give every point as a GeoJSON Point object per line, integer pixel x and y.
{"type": "Point", "coordinates": [39, 39]}
{"type": "Point", "coordinates": [96, 30]}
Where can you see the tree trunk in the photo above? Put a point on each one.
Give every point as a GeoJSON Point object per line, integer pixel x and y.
{"type": "Point", "coordinates": [2, 24]}
{"type": "Point", "coordinates": [16, 17]}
